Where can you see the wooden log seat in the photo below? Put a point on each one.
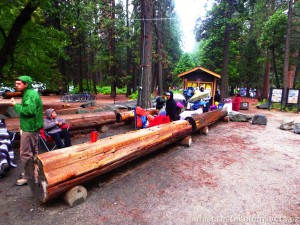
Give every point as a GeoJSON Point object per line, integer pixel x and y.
{"type": "Point", "coordinates": [52, 173]}
{"type": "Point", "coordinates": [203, 120]}
{"type": "Point", "coordinates": [7, 95]}
{"type": "Point", "coordinates": [76, 121]}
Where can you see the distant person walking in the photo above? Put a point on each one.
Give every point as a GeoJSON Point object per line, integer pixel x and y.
{"type": "Point", "coordinates": [31, 121]}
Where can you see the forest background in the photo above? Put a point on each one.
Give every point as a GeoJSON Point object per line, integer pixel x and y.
{"type": "Point", "coordinates": [136, 45]}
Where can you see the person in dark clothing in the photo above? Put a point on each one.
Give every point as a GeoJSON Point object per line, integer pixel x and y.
{"type": "Point", "coordinates": [160, 103]}
{"type": "Point", "coordinates": [217, 96]}
{"type": "Point", "coordinates": [171, 106]}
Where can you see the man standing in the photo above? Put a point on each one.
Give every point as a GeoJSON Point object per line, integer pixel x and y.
{"type": "Point", "coordinates": [31, 121]}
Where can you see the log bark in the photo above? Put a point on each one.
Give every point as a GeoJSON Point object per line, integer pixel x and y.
{"type": "Point", "coordinates": [53, 173]}
{"type": "Point", "coordinates": [7, 95]}
{"type": "Point", "coordinates": [129, 115]}
{"type": "Point", "coordinates": [76, 121]}
{"type": "Point", "coordinates": [203, 120]}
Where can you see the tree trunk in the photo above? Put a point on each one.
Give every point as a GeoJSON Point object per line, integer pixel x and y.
{"type": "Point", "coordinates": [287, 52]}
{"type": "Point", "coordinates": [159, 46]}
{"type": "Point", "coordinates": [10, 42]}
{"type": "Point", "coordinates": [146, 76]}
{"type": "Point", "coordinates": [128, 54]}
{"type": "Point", "coordinates": [275, 68]}
{"type": "Point", "coordinates": [224, 85]}
{"type": "Point", "coordinates": [265, 91]}
{"type": "Point", "coordinates": [112, 51]}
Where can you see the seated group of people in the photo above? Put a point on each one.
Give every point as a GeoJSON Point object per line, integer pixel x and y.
{"type": "Point", "coordinates": [204, 102]}
{"type": "Point", "coordinates": [169, 110]}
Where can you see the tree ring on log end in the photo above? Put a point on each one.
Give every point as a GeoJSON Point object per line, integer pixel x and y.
{"type": "Point", "coordinates": [36, 178]}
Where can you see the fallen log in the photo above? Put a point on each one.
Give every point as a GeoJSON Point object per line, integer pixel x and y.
{"type": "Point", "coordinates": [9, 94]}
{"type": "Point", "coordinates": [53, 173]}
{"type": "Point", "coordinates": [76, 121]}
{"type": "Point", "coordinates": [203, 120]}
{"type": "Point", "coordinates": [129, 115]}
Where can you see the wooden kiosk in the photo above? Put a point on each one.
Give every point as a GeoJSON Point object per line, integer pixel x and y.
{"type": "Point", "coordinates": [200, 77]}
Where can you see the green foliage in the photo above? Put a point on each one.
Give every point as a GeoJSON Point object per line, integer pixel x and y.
{"type": "Point", "coordinates": [37, 49]}
{"type": "Point", "coordinates": [134, 95]}
{"type": "Point", "coordinates": [106, 90]}
{"type": "Point", "coordinates": [210, 34]}
{"type": "Point", "coordinates": [70, 42]}
{"type": "Point", "coordinates": [185, 63]}
{"type": "Point", "coordinates": [273, 32]}
{"type": "Point", "coordinates": [286, 108]}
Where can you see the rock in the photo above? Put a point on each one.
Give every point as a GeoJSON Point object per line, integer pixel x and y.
{"type": "Point", "coordinates": [121, 107]}
{"type": "Point", "coordinates": [287, 124]}
{"type": "Point", "coordinates": [263, 106]}
{"type": "Point", "coordinates": [88, 104]}
{"type": "Point", "coordinates": [259, 119]}
{"type": "Point", "coordinates": [238, 117]}
{"type": "Point", "coordinates": [297, 128]}
{"type": "Point", "coordinates": [75, 196]}
{"type": "Point", "coordinates": [82, 111]}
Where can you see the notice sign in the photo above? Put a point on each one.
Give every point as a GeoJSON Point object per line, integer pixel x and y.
{"type": "Point", "coordinates": [293, 96]}
{"type": "Point", "coordinates": [276, 95]}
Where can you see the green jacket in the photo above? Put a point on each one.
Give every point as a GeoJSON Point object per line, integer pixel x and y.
{"type": "Point", "coordinates": [30, 110]}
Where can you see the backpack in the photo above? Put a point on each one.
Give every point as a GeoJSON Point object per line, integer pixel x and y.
{"type": "Point", "coordinates": [141, 117]}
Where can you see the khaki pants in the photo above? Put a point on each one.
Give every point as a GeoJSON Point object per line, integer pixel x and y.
{"type": "Point", "coordinates": [29, 145]}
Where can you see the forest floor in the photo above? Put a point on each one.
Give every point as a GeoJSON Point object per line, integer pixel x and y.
{"type": "Point", "coordinates": [237, 174]}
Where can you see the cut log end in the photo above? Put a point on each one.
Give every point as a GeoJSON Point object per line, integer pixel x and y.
{"type": "Point", "coordinates": [75, 196]}
{"type": "Point", "coordinates": [204, 131]}
{"type": "Point", "coordinates": [187, 141]}
{"type": "Point", "coordinates": [36, 179]}
{"type": "Point", "coordinates": [226, 119]}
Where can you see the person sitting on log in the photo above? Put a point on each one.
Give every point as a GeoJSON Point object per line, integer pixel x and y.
{"type": "Point", "coordinates": [57, 128]}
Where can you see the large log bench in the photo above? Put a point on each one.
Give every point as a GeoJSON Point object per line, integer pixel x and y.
{"type": "Point", "coordinates": [77, 121]}
{"type": "Point", "coordinates": [53, 173]}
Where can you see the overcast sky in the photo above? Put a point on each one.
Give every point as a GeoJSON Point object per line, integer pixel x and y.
{"type": "Point", "coordinates": [189, 11]}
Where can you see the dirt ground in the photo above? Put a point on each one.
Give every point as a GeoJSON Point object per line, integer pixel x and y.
{"type": "Point", "coordinates": [237, 174]}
